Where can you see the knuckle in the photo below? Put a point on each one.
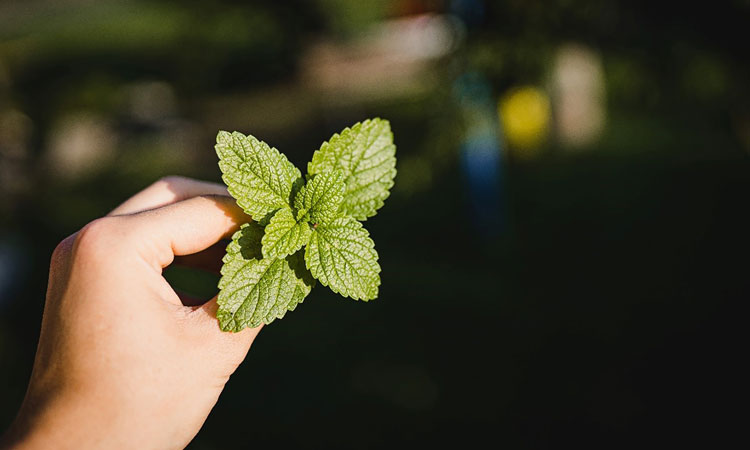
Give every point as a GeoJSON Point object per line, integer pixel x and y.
{"type": "Point", "coordinates": [96, 236]}
{"type": "Point", "coordinates": [62, 251]}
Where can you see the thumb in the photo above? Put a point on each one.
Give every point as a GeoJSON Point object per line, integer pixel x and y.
{"type": "Point", "coordinates": [184, 228]}
{"type": "Point", "coordinates": [236, 344]}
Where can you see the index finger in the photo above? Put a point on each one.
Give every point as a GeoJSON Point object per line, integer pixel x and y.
{"type": "Point", "coordinates": [165, 191]}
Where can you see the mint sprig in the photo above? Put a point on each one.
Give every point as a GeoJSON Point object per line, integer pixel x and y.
{"type": "Point", "coordinates": [304, 229]}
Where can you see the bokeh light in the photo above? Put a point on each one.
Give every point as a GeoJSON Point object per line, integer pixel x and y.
{"type": "Point", "coordinates": [525, 116]}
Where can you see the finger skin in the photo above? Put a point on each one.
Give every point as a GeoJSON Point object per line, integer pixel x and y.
{"type": "Point", "coordinates": [183, 228]}
{"type": "Point", "coordinates": [168, 190]}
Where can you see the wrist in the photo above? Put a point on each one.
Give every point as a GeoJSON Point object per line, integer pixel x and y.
{"type": "Point", "coordinates": [51, 423]}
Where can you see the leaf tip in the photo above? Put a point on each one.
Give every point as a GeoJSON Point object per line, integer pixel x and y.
{"type": "Point", "coordinates": [223, 137]}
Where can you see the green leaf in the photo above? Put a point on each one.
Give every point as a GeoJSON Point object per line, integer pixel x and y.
{"type": "Point", "coordinates": [256, 290]}
{"type": "Point", "coordinates": [321, 197]}
{"type": "Point", "coordinates": [367, 156]}
{"type": "Point", "coordinates": [341, 255]}
{"type": "Point", "coordinates": [284, 235]}
{"type": "Point", "coordinates": [265, 272]}
{"type": "Point", "coordinates": [257, 175]}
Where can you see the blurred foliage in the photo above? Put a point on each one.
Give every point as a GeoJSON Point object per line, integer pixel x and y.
{"type": "Point", "coordinates": [603, 314]}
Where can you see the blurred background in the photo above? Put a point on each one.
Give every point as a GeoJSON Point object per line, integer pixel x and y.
{"type": "Point", "coordinates": [564, 250]}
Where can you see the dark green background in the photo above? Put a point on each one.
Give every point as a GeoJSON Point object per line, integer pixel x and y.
{"type": "Point", "coordinates": [606, 311]}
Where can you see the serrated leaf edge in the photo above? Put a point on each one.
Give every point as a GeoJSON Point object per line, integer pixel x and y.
{"type": "Point", "coordinates": [371, 245]}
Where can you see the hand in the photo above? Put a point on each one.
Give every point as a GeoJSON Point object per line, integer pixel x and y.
{"type": "Point", "coordinates": [122, 362]}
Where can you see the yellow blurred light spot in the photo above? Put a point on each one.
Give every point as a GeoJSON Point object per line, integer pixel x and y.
{"type": "Point", "coordinates": [524, 117]}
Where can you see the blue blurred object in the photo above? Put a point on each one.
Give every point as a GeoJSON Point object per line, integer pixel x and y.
{"type": "Point", "coordinates": [471, 12]}
{"type": "Point", "coordinates": [14, 267]}
{"type": "Point", "coordinates": [481, 153]}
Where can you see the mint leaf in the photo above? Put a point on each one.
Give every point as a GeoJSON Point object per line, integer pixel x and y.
{"type": "Point", "coordinates": [284, 235]}
{"type": "Point", "coordinates": [265, 272]}
{"type": "Point", "coordinates": [256, 290]}
{"type": "Point", "coordinates": [365, 153]}
{"type": "Point", "coordinates": [257, 175]}
{"type": "Point", "coordinates": [342, 256]}
{"type": "Point", "coordinates": [321, 197]}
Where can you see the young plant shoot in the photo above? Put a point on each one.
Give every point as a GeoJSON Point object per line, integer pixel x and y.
{"type": "Point", "coordinates": [303, 229]}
